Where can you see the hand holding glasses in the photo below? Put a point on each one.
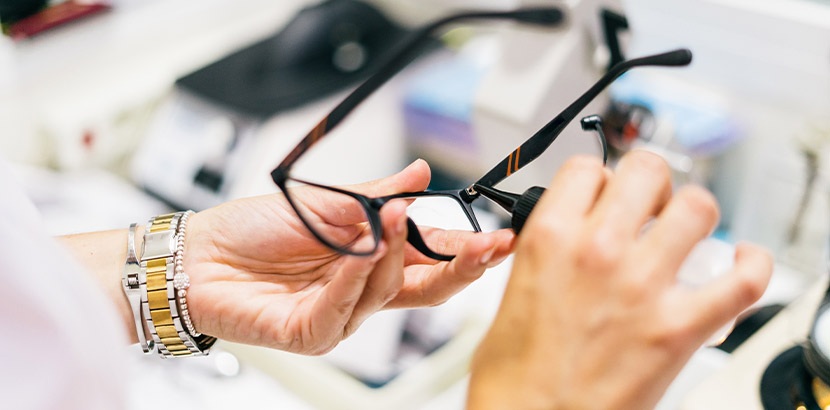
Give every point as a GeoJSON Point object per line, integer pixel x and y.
{"type": "Point", "coordinates": [350, 222]}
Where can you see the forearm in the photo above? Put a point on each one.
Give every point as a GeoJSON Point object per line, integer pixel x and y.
{"type": "Point", "coordinates": [103, 254]}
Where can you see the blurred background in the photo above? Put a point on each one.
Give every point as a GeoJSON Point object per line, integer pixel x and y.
{"type": "Point", "coordinates": [114, 111]}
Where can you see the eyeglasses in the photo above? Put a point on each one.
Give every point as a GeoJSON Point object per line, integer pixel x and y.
{"type": "Point", "coordinates": [350, 222]}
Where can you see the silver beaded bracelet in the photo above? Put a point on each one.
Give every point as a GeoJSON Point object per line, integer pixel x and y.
{"type": "Point", "coordinates": [180, 279]}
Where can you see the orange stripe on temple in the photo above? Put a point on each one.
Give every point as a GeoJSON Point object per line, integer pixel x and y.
{"type": "Point", "coordinates": [509, 164]}
{"type": "Point", "coordinates": [319, 130]}
{"type": "Point", "coordinates": [516, 163]}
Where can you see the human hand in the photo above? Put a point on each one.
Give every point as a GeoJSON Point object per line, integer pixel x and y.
{"type": "Point", "coordinates": [258, 276]}
{"type": "Point", "coordinates": [593, 316]}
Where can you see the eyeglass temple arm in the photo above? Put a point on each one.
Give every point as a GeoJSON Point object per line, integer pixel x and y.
{"type": "Point", "coordinates": [542, 139]}
{"type": "Point", "coordinates": [406, 52]}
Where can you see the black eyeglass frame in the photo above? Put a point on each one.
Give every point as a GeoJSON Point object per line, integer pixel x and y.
{"type": "Point", "coordinates": [371, 207]}
{"type": "Point", "coordinates": [533, 147]}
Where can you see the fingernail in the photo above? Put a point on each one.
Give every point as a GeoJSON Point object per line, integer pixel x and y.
{"type": "Point", "coordinates": [411, 164]}
{"type": "Point", "coordinates": [487, 255]}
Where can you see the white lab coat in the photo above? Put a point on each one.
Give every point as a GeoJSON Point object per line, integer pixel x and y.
{"type": "Point", "coordinates": [61, 344]}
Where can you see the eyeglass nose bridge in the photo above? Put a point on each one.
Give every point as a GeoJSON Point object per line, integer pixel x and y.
{"type": "Point", "coordinates": [461, 197]}
{"type": "Point", "coordinates": [414, 236]}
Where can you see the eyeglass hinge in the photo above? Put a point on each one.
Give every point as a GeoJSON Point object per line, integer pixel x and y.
{"type": "Point", "coordinates": [469, 194]}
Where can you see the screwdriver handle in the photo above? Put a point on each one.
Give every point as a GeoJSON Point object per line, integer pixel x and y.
{"type": "Point", "coordinates": [523, 206]}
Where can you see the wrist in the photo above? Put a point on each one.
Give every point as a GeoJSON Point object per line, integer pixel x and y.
{"type": "Point", "coordinates": [103, 255]}
{"type": "Point", "coordinates": [504, 375]}
{"type": "Point", "coordinates": [503, 391]}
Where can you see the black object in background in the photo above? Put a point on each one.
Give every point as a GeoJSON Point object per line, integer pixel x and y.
{"type": "Point", "coordinates": [14, 10]}
{"type": "Point", "coordinates": [324, 49]}
{"type": "Point", "coordinates": [612, 24]}
{"type": "Point", "coordinates": [748, 326]}
{"type": "Point", "coordinates": [786, 384]}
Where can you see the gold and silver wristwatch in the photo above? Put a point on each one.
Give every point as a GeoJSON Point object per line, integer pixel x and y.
{"type": "Point", "coordinates": [163, 289]}
{"type": "Point", "coordinates": [130, 283]}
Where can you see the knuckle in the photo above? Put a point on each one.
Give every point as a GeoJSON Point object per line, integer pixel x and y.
{"type": "Point", "coordinates": [552, 229]}
{"type": "Point", "coordinates": [280, 339]}
{"type": "Point", "coordinates": [749, 290]}
{"type": "Point", "coordinates": [427, 297]}
{"type": "Point", "coordinates": [449, 243]}
{"type": "Point", "coordinates": [583, 163]}
{"type": "Point", "coordinates": [700, 202]}
{"type": "Point", "coordinates": [649, 162]}
{"type": "Point", "coordinates": [633, 288]}
{"type": "Point", "coordinates": [673, 333]}
{"type": "Point", "coordinates": [599, 251]}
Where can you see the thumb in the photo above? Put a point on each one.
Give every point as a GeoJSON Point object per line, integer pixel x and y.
{"type": "Point", "coordinates": [337, 210]}
{"type": "Point", "coordinates": [413, 178]}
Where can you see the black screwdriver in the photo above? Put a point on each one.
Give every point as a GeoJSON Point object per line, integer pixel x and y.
{"type": "Point", "coordinates": [520, 206]}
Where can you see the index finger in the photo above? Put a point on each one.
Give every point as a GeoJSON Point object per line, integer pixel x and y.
{"type": "Point", "coordinates": [450, 242]}
{"type": "Point", "coordinates": [432, 284]}
{"type": "Point", "coordinates": [575, 188]}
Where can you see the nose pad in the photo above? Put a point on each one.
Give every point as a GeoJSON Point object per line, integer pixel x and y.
{"type": "Point", "coordinates": [417, 241]}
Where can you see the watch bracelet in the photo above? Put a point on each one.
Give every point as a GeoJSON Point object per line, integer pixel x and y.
{"type": "Point", "coordinates": [159, 297]}
{"type": "Point", "coordinates": [130, 286]}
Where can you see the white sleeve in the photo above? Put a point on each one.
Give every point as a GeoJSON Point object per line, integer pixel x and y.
{"type": "Point", "coordinates": [61, 343]}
